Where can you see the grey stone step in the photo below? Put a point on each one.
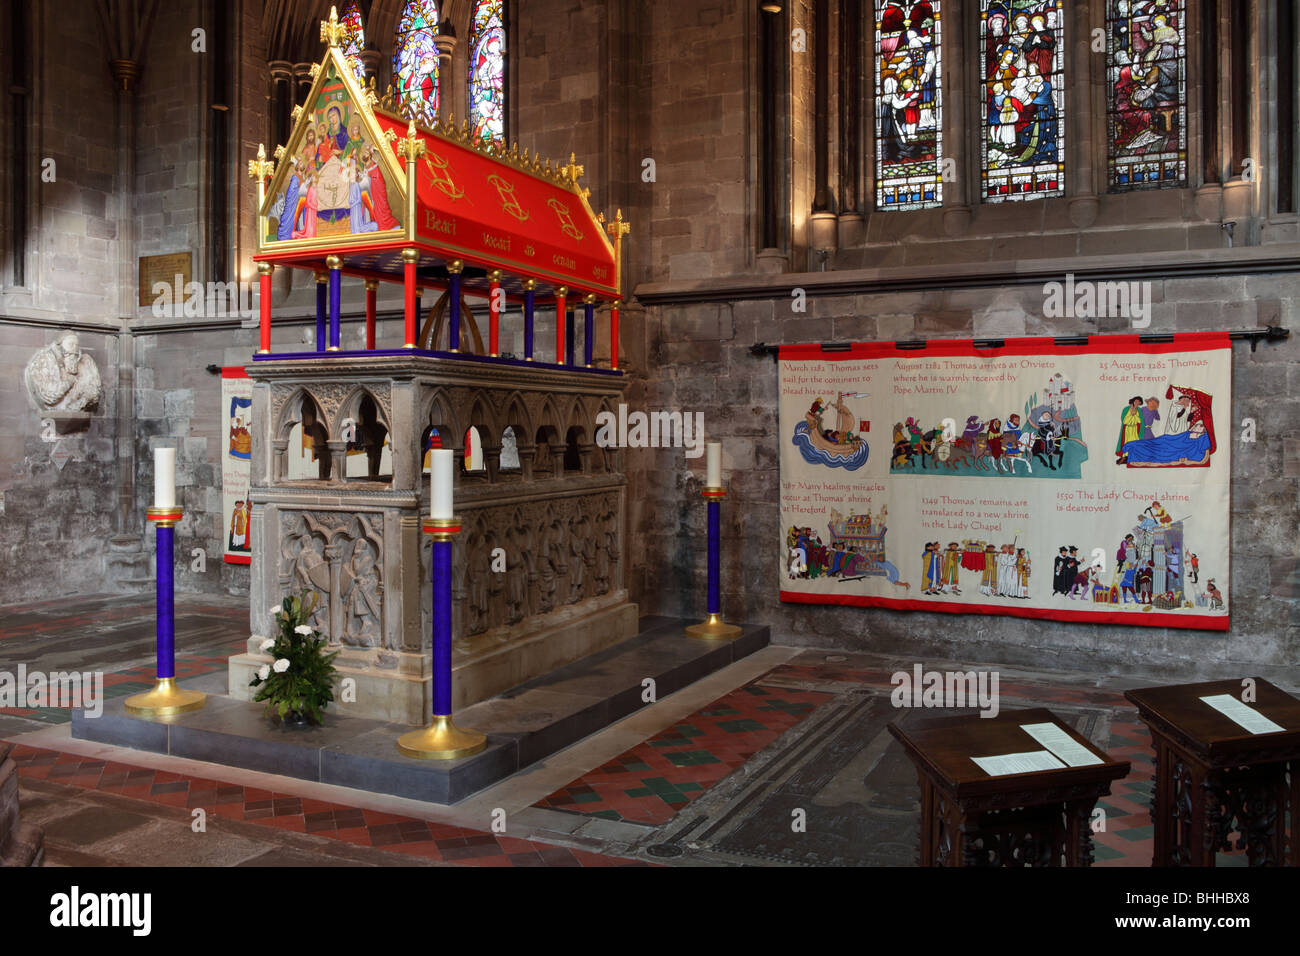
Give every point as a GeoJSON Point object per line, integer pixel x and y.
{"type": "Point", "coordinates": [524, 725]}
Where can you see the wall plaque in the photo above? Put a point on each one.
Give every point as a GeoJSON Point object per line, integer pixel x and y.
{"type": "Point", "coordinates": [165, 268]}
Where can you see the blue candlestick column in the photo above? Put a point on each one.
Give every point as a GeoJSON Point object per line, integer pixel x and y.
{"type": "Point", "coordinates": [588, 329]}
{"type": "Point", "coordinates": [442, 740]}
{"type": "Point", "coordinates": [568, 338]}
{"type": "Point", "coordinates": [322, 304]}
{"type": "Point", "coordinates": [453, 306]}
{"type": "Point", "coordinates": [530, 297]}
{"type": "Point", "coordinates": [166, 698]}
{"type": "Point", "coordinates": [336, 300]}
{"type": "Point", "coordinates": [713, 627]}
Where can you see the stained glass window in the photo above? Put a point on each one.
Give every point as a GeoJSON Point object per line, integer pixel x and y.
{"type": "Point", "coordinates": [1022, 54]}
{"type": "Point", "coordinates": [1147, 80]}
{"type": "Point", "coordinates": [487, 70]}
{"type": "Point", "coordinates": [909, 137]}
{"type": "Point", "coordinates": [356, 38]}
{"type": "Point", "coordinates": [415, 62]}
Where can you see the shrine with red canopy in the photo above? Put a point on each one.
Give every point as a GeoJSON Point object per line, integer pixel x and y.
{"type": "Point", "coordinates": [480, 238]}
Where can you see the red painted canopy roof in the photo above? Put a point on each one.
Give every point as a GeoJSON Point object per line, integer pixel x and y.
{"type": "Point", "coordinates": [504, 212]}
{"type": "Point", "coordinates": [340, 188]}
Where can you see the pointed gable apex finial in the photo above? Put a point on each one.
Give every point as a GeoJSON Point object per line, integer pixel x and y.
{"type": "Point", "coordinates": [331, 31]}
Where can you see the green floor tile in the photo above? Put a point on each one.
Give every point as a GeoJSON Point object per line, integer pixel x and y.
{"type": "Point", "coordinates": [1137, 833]}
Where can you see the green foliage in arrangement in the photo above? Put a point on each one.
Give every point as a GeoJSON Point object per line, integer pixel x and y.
{"type": "Point", "coordinates": [301, 679]}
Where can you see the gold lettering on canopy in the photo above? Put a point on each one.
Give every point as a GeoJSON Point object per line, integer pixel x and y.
{"type": "Point", "coordinates": [567, 225]}
{"type": "Point", "coordinates": [440, 173]}
{"type": "Point", "coordinates": [509, 204]}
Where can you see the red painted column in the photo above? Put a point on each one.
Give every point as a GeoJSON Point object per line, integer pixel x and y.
{"type": "Point", "coordinates": [494, 313]}
{"type": "Point", "coordinates": [560, 308]}
{"type": "Point", "coordinates": [613, 334]}
{"type": "Point", "coordinates": [264, 270]}
{"type": "Point", "coordinates": [409, 258]}
{"type": "Point", "coordinates": [372, 287]}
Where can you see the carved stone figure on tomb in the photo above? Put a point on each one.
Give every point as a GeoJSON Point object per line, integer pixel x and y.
{"type": "Point", "coordinates": [516, 591]}
{"type": "Point", "coordinates": [578, 564]}
{"type": "Point", "coordinates": [60, 377]}
{"type": "Point", "coordinates": [312, 573]}
{"type": "Point", "coordinates": [479, 573]}
{"type": "Point", "coordinates": [606, 553]}
{"type": "Point", "coordinates": [553, 567]}
{"type": "Point", "coordinates": [363, 598]}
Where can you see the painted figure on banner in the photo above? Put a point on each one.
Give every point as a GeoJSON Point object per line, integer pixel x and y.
{"type": "Point", "coordinates": [240, 438]}
{"type": "Point", "coordinates": [335, 184]}
{"type": "Point", "coordinates": [240, 518]}
{"type": "Point", "coordinates": [952, 568]}
{"type": "Point", "coordinates": [839, 447]}
{"type": "Point", "coordinates": [1058, 571]}
{"type": "Point", "coordinates": [1046, 430]}
{"type": "Point", "coordinates": [989, 576]}
{"type": "Point", "coordinates": [1153, 570]}
{"type": "Point", "coordinates": [856, 550]}
{"type": "Point", "coordinates": [1188, 441]}
{"type": "Point", "coordinates": [1131, 425]}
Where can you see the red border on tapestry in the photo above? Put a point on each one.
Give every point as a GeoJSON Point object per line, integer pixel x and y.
{"type": "Point", "coordinates": [235, 371]}
{"type": "Point", "coordinates": [1127, 344]}
{"type": "Point", "coordinates": [1199, 622]}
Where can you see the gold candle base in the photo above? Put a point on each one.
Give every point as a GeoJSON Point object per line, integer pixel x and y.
{"type": "Point", "coordinates": [442, 740]}
{"type": "Point", "coordinates": [165, 700]}
{"type": "Point", "coordinates": [714, 628]}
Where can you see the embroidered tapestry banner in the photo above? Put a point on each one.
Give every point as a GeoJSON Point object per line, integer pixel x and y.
{"type": "Point", "coordinates": [1076, 483]}
{"type": "Point", "coordinates": [236, 463]}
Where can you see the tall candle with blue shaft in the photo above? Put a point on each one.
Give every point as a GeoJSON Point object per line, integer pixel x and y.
{"type": "Point", "coordinates": [166, 699]}
{"type": "Point", "coordinates": [442, 740]}
{"type": "Point", "coordinates": [454, 269]}
{"type": "Point", "coordinates": [336, 300]}
{"type": "Point", "coordinates": [713, 627]}
{"type": "Point", "coordinates": [322, 300]}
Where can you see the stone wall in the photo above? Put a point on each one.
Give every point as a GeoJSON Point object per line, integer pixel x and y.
{"type": "Point", "coordinates": [58, 487]}
{"type": "Point", "coordinates": [715, 373]}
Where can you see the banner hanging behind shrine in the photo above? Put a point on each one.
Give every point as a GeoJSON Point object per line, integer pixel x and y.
{"type": "Point", "coordinates": [1077, 483]}
{"type": "Point", "coordinates": [236, 463]}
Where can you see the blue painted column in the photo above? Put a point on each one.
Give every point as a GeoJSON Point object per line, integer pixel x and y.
{"type": "Point", "coordinates": [166, 630]}
{"type": "Point", "coordinates": [588, 329]}
{"type": "Point", "coordinates": [336, 301]}
{"type": "Point", "coordinates": [322, 298]}
{"type": "Point", "coordinates": [715, 555]}
{"type": "Point", "coordinates": [530, 294]}
{"type": "Point", "coordinates": [568, 337]}
{"type": "Point", "coordinates": [442, 739]}
{"type": "Point", "coordinates": [440, 559]}
{"type": "Point", "coordinates": [453, 306]}
{"type": "Point", "coordinates": [166, 698]}
{"type": "Point", "coordinates": [714, 627]}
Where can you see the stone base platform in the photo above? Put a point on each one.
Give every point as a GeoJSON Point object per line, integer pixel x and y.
{"type": "Point", "coordinates": [524, 725]}
{"type": "Point", "coordinates": [398, 686]}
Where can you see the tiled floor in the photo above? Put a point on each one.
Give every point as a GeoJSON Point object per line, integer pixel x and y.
{"type": "Point", "coordinates": [615, 798]}
{"type": "Point", "coordinates": [388, 832]}
{"type": "Point", "coordinates": [657, 778]}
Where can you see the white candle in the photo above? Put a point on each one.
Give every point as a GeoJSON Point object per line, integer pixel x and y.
{"type": "Point", "coordinates": [714, 459]}
{"type": "Point", "coordinates": [164, 477]}
{"type": "Point", "coordinates": [441, 461]}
